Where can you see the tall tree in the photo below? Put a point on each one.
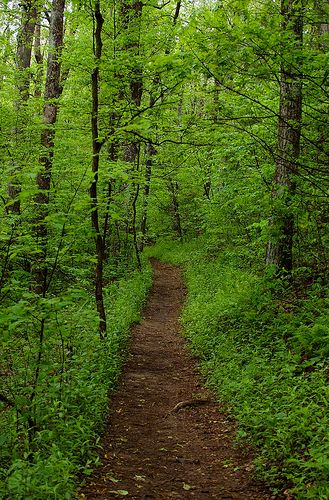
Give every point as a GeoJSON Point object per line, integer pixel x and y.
{"type": "Point", "coordinates": [53, 91]}
{"type": "Point", "coordinates": [280, 245]}
{"type": "Point", "coordinates": [131, 14]}
{"type": "Point", "coordinates": [96, 148]}
{"type": "Point", "coordinates": [29, 14]}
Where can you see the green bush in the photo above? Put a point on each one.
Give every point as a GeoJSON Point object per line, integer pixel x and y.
{"type": "Point", "coordinates": [72, 401]}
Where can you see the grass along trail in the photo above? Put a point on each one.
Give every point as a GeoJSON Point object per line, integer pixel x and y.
{"type": "Point", "coordinates": [166, 437]}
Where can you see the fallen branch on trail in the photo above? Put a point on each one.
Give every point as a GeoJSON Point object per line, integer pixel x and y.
{"type": "Point", "coordinates": [191, 403]}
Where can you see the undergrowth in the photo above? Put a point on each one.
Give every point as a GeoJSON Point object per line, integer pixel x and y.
{"type": "Point", "coordinates": [72, 399]}
{"type": "Point", "coordinates": [264, 349]}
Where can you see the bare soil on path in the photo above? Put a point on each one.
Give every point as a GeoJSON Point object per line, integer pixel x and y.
{"type": "Point", "coordinates": [166, 437]}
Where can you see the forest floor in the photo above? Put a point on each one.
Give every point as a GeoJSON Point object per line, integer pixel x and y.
{"type": "Point", "coordinates": [166, 437]}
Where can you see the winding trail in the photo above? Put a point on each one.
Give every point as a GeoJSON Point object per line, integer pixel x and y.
{"type": "Point", "coordinates": [166, 437]}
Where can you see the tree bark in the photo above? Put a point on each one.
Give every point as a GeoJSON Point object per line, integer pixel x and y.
{"type": "Point", "coordinates": [39, 60]}
{"type": "Point", "coordinates": [280, 245]}
{"type": "Point", "coordinates": [96, 149]}
{"type": "Point", "coordinates": [150, 152]}
{"type": "Point", "coordinates": [23, 63]}
{"type": "Point", "coordinates": [52, 93]}
{"type": "Point", "coordinates": [131, 14]}
{"type": "Point", "coordinates": [176, 219]}
{"type": "Point", "coordinates": [24, 46]}
{"type": "Point", "coordinates": [134, 207]}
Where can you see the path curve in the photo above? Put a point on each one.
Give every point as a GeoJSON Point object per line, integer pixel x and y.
{"type": "Point", "coordinates": [166, 438]}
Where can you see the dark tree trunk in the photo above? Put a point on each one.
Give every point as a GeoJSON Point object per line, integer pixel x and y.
{"type": "Point", "coordinates": [96, 147]}
{"type": "Point", "coordinates": [39, 60]}
{"type": "Point", "coordinates": [131, 14]}
{"type": "Point", "coordinates": [150, 152]}
{"type": "Point", "coordinates": [280, 246]}
{"type": "Point", "coordinates": [134, 207]}
{"type": "Point", "coordinates": [113, 157]}
{"type": "Point", "coordinates": [176, 214]}
{"type": "Point", "coordinates": [24, 46]}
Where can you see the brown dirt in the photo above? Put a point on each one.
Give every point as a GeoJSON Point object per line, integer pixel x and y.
{"type": "Point", "coordinates": [166, 436]}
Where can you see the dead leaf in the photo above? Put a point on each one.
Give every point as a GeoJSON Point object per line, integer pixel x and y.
{"type": "Point", "coordinates": [139, 478]}
{"type": "Point", "coordinates": [111, 478]}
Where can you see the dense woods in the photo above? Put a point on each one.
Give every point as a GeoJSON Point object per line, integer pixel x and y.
{"type": "Point", "coordinates": [197, 127]}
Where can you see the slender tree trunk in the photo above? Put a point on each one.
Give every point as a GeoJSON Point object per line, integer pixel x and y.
{"type": "Point", "coordinates": [107, 221]}
{"type": "Point", "coordinates": [150, 152]}
{"type": "Point", "coordinates": [134, 207]}
{"type": "Point", "coordinates": [113, 157]}
{"type": "Point", "coordinates": [131, 14]}
{"type": "Point", "coordinates": [39, 60]}
{"type": "Point", "coordinates": [280, 246]}
{"type": "Point", "coordinates": [24, 46]}
{"type": "Point", "coordinates": [96, 147]}
{"type": "Point", "coordinates": [176, 218]}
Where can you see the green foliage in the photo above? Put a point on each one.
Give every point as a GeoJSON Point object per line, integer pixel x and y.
{"type": "Point", "coordinates": [206, 134]}
{"type": "Point", "coordinates": [266, 358]}
{"type": "Point", "coordinates": [72, 394]}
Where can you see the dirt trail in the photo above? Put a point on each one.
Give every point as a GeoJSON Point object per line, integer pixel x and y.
{"type": "Point", "coordinates": [161, 441]}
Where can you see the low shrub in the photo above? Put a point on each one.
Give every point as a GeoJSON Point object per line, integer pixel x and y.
{"type": "Point", "coordinates": [72, 397]}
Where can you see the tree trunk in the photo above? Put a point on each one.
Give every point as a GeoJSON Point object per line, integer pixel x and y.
{"type": "Point", "coordinates": [176, 219]}
{"type": "Point", "coordinates": [113, 157]}
{"type": "Point", "coordinates": [52, 93]}
{"type": "Point", "coordinates": [150, 152]}
{"type": "Point", "coordinates": [96, 148]}
{"type": "Point", "coordinates": [23, 64]}
{"type": "Point", "coordinates": [134, 207]}
{"type": "Point", "coordinates": [131, 14]}
{"type": "Point", "coordinates": [39, 60]}
{"type": "Point", "coordinates": [280, 245]}
{"type": "Point", "coordinates": [24, 46]}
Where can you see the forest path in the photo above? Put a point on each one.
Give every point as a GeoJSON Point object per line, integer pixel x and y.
{"type": "Point", "coordinates": [161, 442]}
